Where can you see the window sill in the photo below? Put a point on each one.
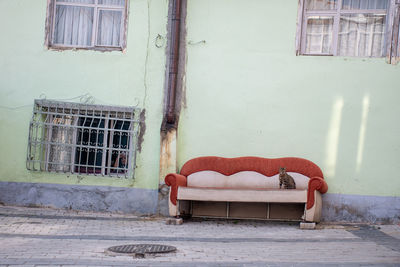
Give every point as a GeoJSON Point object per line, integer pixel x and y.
{"type": "Point", "coordinates": [97, 48]}
{"type": "Point", "coordinates": [345, 57]}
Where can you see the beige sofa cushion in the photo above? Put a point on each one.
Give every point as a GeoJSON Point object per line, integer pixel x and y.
{"type": "Point", "coordinates": [242, 180]}
{"type": "Point", "coordinates": [243, 195]}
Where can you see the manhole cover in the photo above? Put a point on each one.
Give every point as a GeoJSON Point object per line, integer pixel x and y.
{"type": "Point", "coordinates": [142, 248]}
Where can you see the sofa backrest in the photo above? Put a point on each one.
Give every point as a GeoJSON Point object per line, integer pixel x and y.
{"type": "Point", "coordinates": [242, 180]}
{"type": "Point", "coordinates": [264, 166]}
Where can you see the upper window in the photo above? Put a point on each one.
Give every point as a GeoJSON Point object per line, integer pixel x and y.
{"type": "Point", "coordinates": [83, 139]}
{"type": "Point", "coordinates": [359, 28]}
{"type": "Point", "coordinates": [90, 24]}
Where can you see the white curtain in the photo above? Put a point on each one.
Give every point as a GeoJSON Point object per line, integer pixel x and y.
{"type": "Point", "coordinates": [320, 4]}
{"type": "Point", "coordinates": [109, 28]}
{"type": "Point", "coordinates": [78, 1]}
{"type": "Point", "coordinates": [74, 23]}
{"type": "Point", "coordinates": [62, 136]}
{"type": "Point", "coordinates": [319, 35]}
{"type": "Point", "coordinates": [112, 2]}
{"type": "Point", "coordinates": [347, 4]}
{"type": "Point", "coordinates": [359, 34]}
{"type": "Point", "coordinates": [364, 4]}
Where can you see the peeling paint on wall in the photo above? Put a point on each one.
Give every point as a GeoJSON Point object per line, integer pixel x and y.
{"type": "Point", "coordinates": [168, 131]}
{"type": "Point", "coordinates": [142, 130]}
{"type": "Point", "coordinates": [167, 153]}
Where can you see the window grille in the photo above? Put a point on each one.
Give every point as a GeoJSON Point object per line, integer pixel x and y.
{"type": "Point", "coordinates": [83, 139]}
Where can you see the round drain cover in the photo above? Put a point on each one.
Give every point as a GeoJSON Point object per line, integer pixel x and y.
{"type": "Point", "coordinates": [142, 248]}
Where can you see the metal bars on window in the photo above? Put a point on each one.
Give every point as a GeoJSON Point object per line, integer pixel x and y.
{"type": "Point", "coordinates": [83, 139]}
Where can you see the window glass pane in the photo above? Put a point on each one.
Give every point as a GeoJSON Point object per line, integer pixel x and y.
{"type": "Point", "coordinates": [120, 146]}
{"type": "Point", "coordinates": [397, 53]}
{"type": "Point", "coordinates": [109, 28]}
{"type": "Point", "coordinates": [361, 35]}
{"type": "Point", "coordinates": [73, 25]}
{"type": "Point", "coordinates": [321, 4]}
{"type": "Point", "coordinates": [319, 35]}
{"type": "Point", "coordinates": [364, 4]}
{"type": "Point", "coordinates": [78, 1]}
{"type": "Point", "coordinates": [112, 2]}
{"type": "Point", "coordinates": [89, 153]}
{"type": "Point", "coordinates": [61, 137]}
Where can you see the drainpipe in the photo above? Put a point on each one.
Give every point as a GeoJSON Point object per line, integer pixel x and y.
{"type": "Point", "coordinates": [168, 149]}
{"type": "Point", "coordinates": [174, 59]}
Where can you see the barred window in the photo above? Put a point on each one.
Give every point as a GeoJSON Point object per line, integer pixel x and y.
{"type": "Point", "coordinates": [83, 139]}
{"type": "Point", "coordinates": [89, 24]}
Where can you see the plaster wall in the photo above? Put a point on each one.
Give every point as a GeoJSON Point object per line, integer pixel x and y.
{"type": "Point", "coordinates": [248, 94]}
{"type": "Point", "coordinates": [244, 93]}
{"type": "Point", "coordinates": [80, 197]}
{"type": "Point", "coordinates": [358, 208]}
{"type": "Point", "coordinates": [29, 71]}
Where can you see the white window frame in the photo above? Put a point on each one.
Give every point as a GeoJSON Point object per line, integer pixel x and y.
{"type": "Point", "coordinates": [50, 25]}
{"type": "Point", "coordinates": [393, 48]}
{"type": "Point", "coordinates": [391, 42]}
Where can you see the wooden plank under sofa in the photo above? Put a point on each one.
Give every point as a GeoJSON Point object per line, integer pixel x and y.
{"type": "Point", "coordinates": [246, 187]}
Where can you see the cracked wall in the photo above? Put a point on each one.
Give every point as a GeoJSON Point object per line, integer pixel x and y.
{"type": "Point", "coordinates": [134, 77]}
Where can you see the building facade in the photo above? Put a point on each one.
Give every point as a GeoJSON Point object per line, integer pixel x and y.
{"type": "Point", "coordinates": [311, 79]}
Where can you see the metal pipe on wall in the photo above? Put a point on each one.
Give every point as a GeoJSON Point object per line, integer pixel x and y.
{"type": "Point", "coordinates": [174, 60]}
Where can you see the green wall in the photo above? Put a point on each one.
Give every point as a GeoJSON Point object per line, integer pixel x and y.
{"type": "Point", "coordinates": [30, 71]}
{"type": "Point", "coordinates": [248, 94]}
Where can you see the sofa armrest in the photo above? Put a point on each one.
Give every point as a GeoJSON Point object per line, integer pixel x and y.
{"type": "Point", "coordinates": [315, 183]}
{"type": "Point", "coordinates": [175, 180]}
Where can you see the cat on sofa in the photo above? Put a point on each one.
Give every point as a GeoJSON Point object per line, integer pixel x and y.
{"type": "Point", "coordinates": [286, 180]}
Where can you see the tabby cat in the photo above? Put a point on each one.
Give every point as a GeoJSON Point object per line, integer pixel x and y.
{"type": "Point", "coordinates": [286, 180]}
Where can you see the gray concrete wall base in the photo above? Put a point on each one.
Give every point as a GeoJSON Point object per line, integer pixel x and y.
{"type": "Point", "coordinates": [356, 208]}
{"type": "Point", "coordinates": [335, 208]}
{"type": "Point", "coordinates": [163, 203]}
{"type": "Point", "coordinates": [80, 197]}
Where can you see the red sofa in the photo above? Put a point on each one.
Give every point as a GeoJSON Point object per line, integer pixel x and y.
{"type": "Point", "coordinates": [207, 186]}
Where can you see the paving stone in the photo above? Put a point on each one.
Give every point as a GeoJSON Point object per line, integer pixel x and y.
{"type": "Point", "coordinates": [58, 237]}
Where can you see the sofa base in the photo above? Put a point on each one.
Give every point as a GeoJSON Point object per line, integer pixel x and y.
{"type": "Point", "coordinates": [268, 208]}
{"type": "Point", "coordinates": [243, 210]}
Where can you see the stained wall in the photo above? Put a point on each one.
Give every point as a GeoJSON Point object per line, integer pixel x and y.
{"type": "Point", "coordinates": [30, 71]}
{"type": "Point", "coordinates": [248, 94]}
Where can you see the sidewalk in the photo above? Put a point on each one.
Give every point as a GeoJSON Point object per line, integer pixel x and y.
{"type": "Point", "coordinates": [50, 237]}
